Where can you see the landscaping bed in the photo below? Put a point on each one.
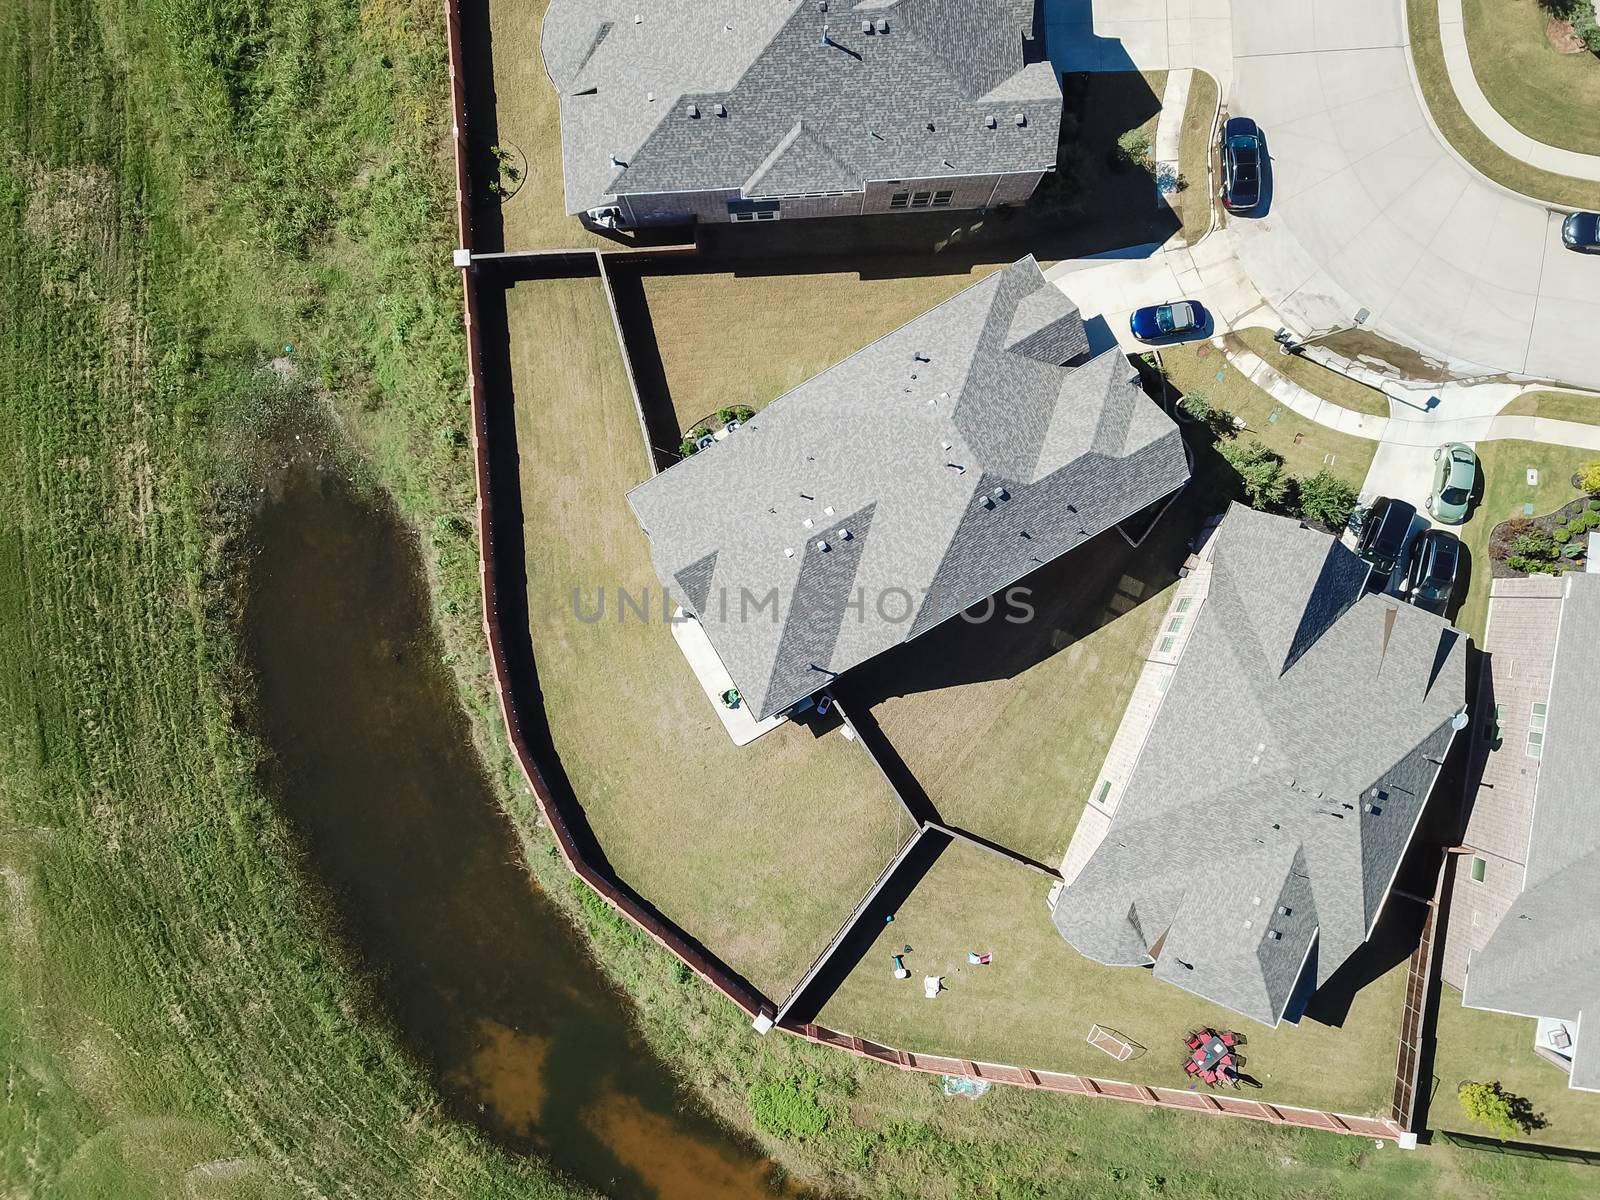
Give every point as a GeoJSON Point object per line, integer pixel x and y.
{"type": "Point", "coordinates": [1550, 544]}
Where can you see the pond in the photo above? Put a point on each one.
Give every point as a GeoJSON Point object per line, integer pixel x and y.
{"type": "Point", "coordinates": [485, 981]}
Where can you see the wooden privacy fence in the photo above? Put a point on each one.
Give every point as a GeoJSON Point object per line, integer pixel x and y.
{"type": "Point", "coordinates": [1413, 1017]}
{"type": "Point", "coordinates": [562, 823]}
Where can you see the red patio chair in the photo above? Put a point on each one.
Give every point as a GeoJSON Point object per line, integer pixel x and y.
{"type": "Point", "coordinates": [1227, 1039]}
{"type": "Point", "coordinates": [1192, 1067]}
{"type": "Point", "coordinates": [1193, 1041]}
{"type": "Point", "coordinates": [1210, 1077]}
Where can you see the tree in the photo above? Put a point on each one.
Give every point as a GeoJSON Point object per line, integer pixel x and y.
{"type": "Point", "coordinates": [1327, 499]}
{"type": "Point", "coordinates": [1589, 476]}
{"type": "Point", "coordinates": [1260, 470]}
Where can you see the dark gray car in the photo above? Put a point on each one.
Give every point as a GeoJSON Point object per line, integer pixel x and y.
{"type": "Point", "coordinates": [1435, 563]}
{"type": "Point", "coordinates": [1385, 534]}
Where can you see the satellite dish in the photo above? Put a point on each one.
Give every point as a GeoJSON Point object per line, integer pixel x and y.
{"type": "Point", "coordinates": [1459, 721]}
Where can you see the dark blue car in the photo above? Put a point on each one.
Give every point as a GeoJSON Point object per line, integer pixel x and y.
{"type": "Point", "coordinates": [1581, 232]}
{"type": "Point", "coordinates": [1243, 159]}
{"type": "Point", "coordinates": [1157, 321]}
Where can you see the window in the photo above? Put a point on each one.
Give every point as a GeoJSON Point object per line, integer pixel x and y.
{"type": "Point", "coordinates": [1185, 604]}
{"type": "Point", "coordinates": [1536, 718]}
{"type": "Point", "coordinates": [1477, 870]}
{"type": "Point", "coordinates": [899, 199]}
{"type": "Point", "coordinates": [1167, 643]}
{"type": "Point", "coordinates": [941, 198]}
{"type": "Point", "coordinates": [1175, 624]}
{"type": "Point", "coordinates": [753, 210]}
{"type": "Point", "coordinates": [1105, 790]}
{"type": "Point", "coordinates": [920, 199]}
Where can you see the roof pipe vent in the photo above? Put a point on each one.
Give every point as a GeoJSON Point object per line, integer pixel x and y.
{"type": "Point", "coordinates": [989, 121]}
{"type": "Point", "coordinates": [722, 109]}
{"type": "Point", "coordinates": [694, 111]}
{"type": "Point", "coordinates": [883, 25]}
{"type": "Point", "coordinates": [1021, 119]}
{"type": "Point", "coordinates": [866, 27]}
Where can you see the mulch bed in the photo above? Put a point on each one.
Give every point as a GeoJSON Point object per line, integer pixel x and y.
{"type": "Point", "coordinates": [1504, 534]}
{"type": "Point", "coordinates": [1563, 38]}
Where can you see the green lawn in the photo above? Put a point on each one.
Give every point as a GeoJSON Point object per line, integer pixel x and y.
{"type": "Point", "coordinates": [1557, 406]}
{"type": "Point", "coordinates": [1314, 377]}
{"type": "Point", "coordinates": [528, 117]}
{"type": "Point", "coordinates": [1470, 142]}
{"type": "Point", "coordinates": [1194, 157]}
{"type": "Point", "coordinates": [1306, 446]}
{"type": "Point", "coordinates": [1505, 492]}
{"type": "Point", "coordinates": [1034, 1004]}
{"type": "Point", "coordinates": [1486, 1046]}
{"type": "Point", "coordinates": [1552, 97]}
{"type": "Point", "coordinates": [759, 852]}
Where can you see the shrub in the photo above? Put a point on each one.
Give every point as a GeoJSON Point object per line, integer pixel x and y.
{"type": "Point", "coordinates": [1595, 505]}
{"type": "Point", "coordinates": [1134, 146]}
{"type": "Point", "coordinates": [743, 412]}
{"type": "Point", "coordinates": [1218, 421]}
{"type": "Point", "coordinates": [1497, 1110]}
{"type": "Point", "coordinates": [1536, 543]}
{"type": "Point", "coordinates": [686, 447]}
{"type": "Point", "coordinates": [1589, 520]}
{"type": "Point", "coordinates": [1589, 475]}
{"type": "Point", "coordinates": [788, 1108]}
{"type": "Point", "coordinates": [1562, 519]}
{"type": "Point", "coordinates": [1506, 533]}
{"type": "Point", "coordinates": [1533, 566]}
{"type": "Point", "coordinates": [1260, 471]}
{"type": "Point", "coordinates": [1327, 499]}
{"type": "Point", "coordinates": [1562, 536]}
{"type": "Point", "coordinates": [725, 415]}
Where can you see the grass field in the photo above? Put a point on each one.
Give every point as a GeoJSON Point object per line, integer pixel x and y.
{"type": "Point", "coordinates": [1557, 406]}
{"type": "Point", "coordinates": [1315, 378]}
{"type": "Point", "coordinates": [1034, 1004]}
{"type": "Point", "coordinates": [1470, 142]}
{"type": "Point", "coordinates": [744, 337]}
{"type": "Point", "coordinates": [1194, 157]}
{"type": "Point", "coordinates": [1306, 447]}
{"type": "Point", "coordinates": [1505, 492]}
{"type": "Point", "coordinates": [1487, 1046]}
{"type": "Point", "coordinates": [1552, 97]}
{"type": "Point", "coordinates": [760, 852]}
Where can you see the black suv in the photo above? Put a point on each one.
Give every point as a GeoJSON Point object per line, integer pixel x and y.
{"type": "Point", "coordinates": [1435, 562]}
{"type": "Point", "coordinates": [1385, 534]}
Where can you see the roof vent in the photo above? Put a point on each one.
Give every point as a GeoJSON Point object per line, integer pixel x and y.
{"type": "Point", "coordinates": [694, 110]}
{"type": "Point", "coordinates": [822, 5]}
{"type": "Point", "coordinates": [986, 502]}
{"type": "Point", "coordinates": [788, 551]}
{"type": "Point", "coordinates": [1001, 494]}
{"type": "Point", "coordinates": [1283, 910]}
{"type": "Point", "coordinates": [883, 25]}
{"type": "Point", "coordinates": [650, 96]}
{"type": "Point", "coordinates": [824, 547]}
{"type": "Point", "coordinates": [866, 27]}
{"type": "Point", "coordinates": [989, 121]}
{"type": "Point", "coordinates": [807, 522]}
{"type": "Point", "coordinates": [1248, 923]}
{"type": "Point", "coordinates": [722, 110]}
{"type": "Point", "coordinates": [1273, 935]}
{"type": "Point", "coordinates": [919, 356]}
{"type": "Point", "coordinates": [617, 162]}
{"type": "Point", "coordinates": [944, 445]}
{"type": "Point", "coordinates": [637, 18]}
{"type": "Point", "coordinates": [1021, 119]}
{"type": "Point", "coordinates": [828, 509]}
{"type": "Point", "coordinates": [845, 535]}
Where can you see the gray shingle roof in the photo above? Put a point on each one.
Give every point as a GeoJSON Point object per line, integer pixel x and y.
{"type": "Point", "coordinates": [1544, 957]}
{"type": "Point", "coordinates": [938, 465]}
{"type": "Point", "coordinates": [800, 114]}
{"type": "Point", "coordinates": [1296, 696]}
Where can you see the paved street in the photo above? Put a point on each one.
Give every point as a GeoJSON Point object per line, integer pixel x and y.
{"type": "Point", "coordinates": [1369, 210]}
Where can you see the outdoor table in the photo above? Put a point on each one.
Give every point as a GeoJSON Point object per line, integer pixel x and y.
{"type": "Point", "coordinates": [1210, 1052]}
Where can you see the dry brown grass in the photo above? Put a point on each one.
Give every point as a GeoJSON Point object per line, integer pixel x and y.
{"type": "Point", "coordinates": [759, 852]}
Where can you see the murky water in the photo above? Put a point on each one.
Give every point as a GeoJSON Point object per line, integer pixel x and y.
{"type": "Point", "coordinates": [485, 981]}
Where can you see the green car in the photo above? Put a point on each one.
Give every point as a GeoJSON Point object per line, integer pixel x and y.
{"type": "Point", "coordinates": [1455, 472]}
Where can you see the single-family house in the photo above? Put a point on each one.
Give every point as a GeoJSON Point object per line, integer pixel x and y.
{"type": "Point", "coordinates": [1527, 893]}
{"type": "Point", "coordinates": [1248, 825]}
{"type": "Point", "coordinates": [752, 110]}
{"type": "Point", "coordinates": [901, 486]}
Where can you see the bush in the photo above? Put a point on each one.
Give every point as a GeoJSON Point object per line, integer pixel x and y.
{"type": "Point", "coordinates": [1327, 499]}
{"type": "Point", "coordinates": [1533, 566]}
{"type": "Point", "coordinates": [1260, 471]}
{"type": "Point", "coordinates": [1589, 520]}
{"type": "Point", "coordinates": [1594, 505]}
{"type": "Point", "coordinates": [1497, 1110]}
{"type": "Point", "coordinates": [1536, 543]}
{"type": "Point", "coordinates": [1562, 519]}
{"type": "Point", "coordinates": [686, 447]}
{"type": "Point", "coordinates": [788, 1108]}
{"type": "Point", "coordinates": [1506, 533]}
{"type": "Point", "coordinates": [1562, 536]}
{"type": "Point", "coordinates": [1198, 407]}
{"type": "Point", "coordinates": [725, 415]}
{"type": "Point", "coordinates": [1134, 147]}
{"type": "Point", "coordinates": [1589, 475]}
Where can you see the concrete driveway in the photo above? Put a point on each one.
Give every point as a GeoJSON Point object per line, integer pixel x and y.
{"type": "Point", "coordinates": [1369, 210]}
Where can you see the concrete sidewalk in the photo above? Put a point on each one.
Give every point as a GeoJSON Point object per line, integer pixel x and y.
{"type": "Point", "coordinates": [1458, 64]}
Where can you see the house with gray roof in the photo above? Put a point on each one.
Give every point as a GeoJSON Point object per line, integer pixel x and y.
{"type": "Point", "coordinates": [899, 487]}
{"type": "Point", "coordinates": [1255, 837]}
{"type": "Point", "coordinates": [1543, 958]}
{"type": "Point", "coordinates": [751, 110]}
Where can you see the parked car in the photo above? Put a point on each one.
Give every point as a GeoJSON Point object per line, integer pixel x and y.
{"type": "Point", "coordinates": [1156, 321]}
{"type": "Point", "coordinates": [1435, 562]}
{"type": "Point", "coordinates": [1384, 536]}
{"type": "Point", "coordinates": [1455, 472]}
{"type": "Point", "coordinates": [1581, 232]}
{"type": "Point", "coordinates": [1243, 160]}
